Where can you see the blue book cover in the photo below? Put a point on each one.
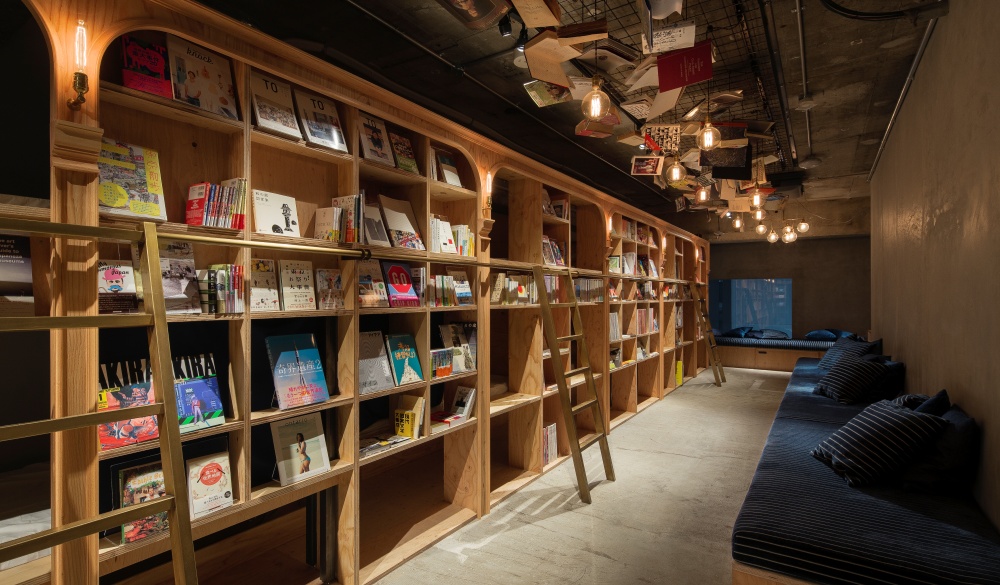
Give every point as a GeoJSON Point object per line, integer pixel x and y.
{"type": "Point", "coordinates": [403, 357]}
{"type": "Point", "coordinates": [199, 404]}
{"type": "Point", "coordinates": [297, 369]}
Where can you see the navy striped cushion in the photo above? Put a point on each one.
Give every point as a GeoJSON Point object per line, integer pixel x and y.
{"type": "Point", "coordinates": [842, 347]}
{"type": "Point", "coordinates": [852, 378]}
{"type": "Point", "coordinates": [880, 440]}
{"type": "Point", "coordinates": [910, 401]}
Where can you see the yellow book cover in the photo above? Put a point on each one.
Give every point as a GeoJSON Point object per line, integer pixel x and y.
{"type": "Point", "coordinates": [405, 420]}
{"type": "Point", "coordinates": [680, 373]}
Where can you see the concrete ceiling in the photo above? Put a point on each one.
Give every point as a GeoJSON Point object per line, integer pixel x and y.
{"type": "Point", "coordinates": [854, 69]}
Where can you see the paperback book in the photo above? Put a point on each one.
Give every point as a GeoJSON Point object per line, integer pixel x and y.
{"type": "Point", "coordinates": [403, 150]}
{"type": "Point", "coordinates": [273, 106]}
{"type": "Point", "coordinates": [16, 285]}
{"type": "Point", "coordinates": [447, 169]}
{"type": "Point", "coordinates": [137, 485]}
{"type": "Point", "coordinates": [409, 416]}
{"type": "Point", "coordinates": [462, 288]}
{"type": "Point", "coordinates": [263, 286]}
{"type": "Point", "coordinates": [116, 287]}
{"type": "Point", "coordinates": [125, 384]}
{"type": "Point", "coordinates": [298, 292]}
{"type": "Point", "coordinates": [401, 223]}
{"type": "Point", "coordinates": [403, 356]}
{"type": "Point", "coordinates": [297, 369]}
{"type": "Point", "coordinates": [180, 279]}
{"type": "Point", "coordinates": [201, 78]}
{"type": "Point", "coordinates": [371, 287]}
{"type": "Point", "coordinates": [299, 448]}
{"type": "Point", "coordinates": [465, 399]}
{"type": "Point", "coordinates": [131, 185]}
{"type": "Point", "coordinates": [210, 484]}
{"type": "Point", "coordinates": [320, 121]}
{"type": "Point", "coordinates": [454, 339]}
{"type": "Point", "coordinates": [145, 66]}
{"type": "Point", "coordinates": [275, 214]}
{"type": "Point", "coordinates": [374, 372]}
{"type": "Point", "coordinates": [329, 289]}
{"type": "Point", "coordinates": [374, 140]}
{"type": "Point", "coordinates": [375, 234]}
{"type": "Point", "coordinates": [399, 286]}
{"type": "Point", "coordinates": [196, 388]}
{"type": "Point", "coordinates": [352, 207]}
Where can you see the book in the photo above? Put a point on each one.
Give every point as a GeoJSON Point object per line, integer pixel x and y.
{"type": "Point", "coordinates": [180, 279]}
{"type": "Point", "coordinates": [264, 294]}
{"type": "Point", "coordinates": [545, 94]}
{"type": "Point", "coordinates": [297, 369]}
{"type": "Point", "coordinates": [16, 284]}
{"type": "Point", "coordinates": [201, 78]}
{"type": "Point", "coordinates": [548, 258]}
{"type": "Point", "coordinates": [550, 440]}
{"type": "Point", "coordinates": [403, 358]}
{"type": "Point", "coordinates": [130, 185]}
{"type": "Point", "coordinates": [329, 221]}
{"type": "Point", "coordinates": [298, 292]}
{"type": "Point", "coordinates": [273, 105]}
{"type": "Point", "coordinates": [399, 285]}
{"type": "Point", "coordinates": [497, 293]}
{"type": "Point", "coordinates": [401, 223]}
{"type": "Point", "coordinates": [196, 389]}
{"type": "Point", "coordinates": [557, 252]}
{"type": "Point", "coordinates": [374, 372]}
{"type": "Point", "coordinates": [418, 276]}
{"type": "Point", "coordinates": [371, 288]}
{"type": "Point", "coordinates": [453, 337]}
{"type": "Point", "coordinates": [465, 398]}
{"type": "Point", "coordinates": [124, 384]}
{"type": "Point", "coordinates": [352, 207]}
{"type": "Point", "coordinates": [299, 448]}
{"type": "Point", "coordinates": [403, 150]}
{"type": "Point", "coordinates": [329, 289]}
{"type": "Point", "coordinates": [409, 416]}
{"type": "Point", "coordinates": [442, 239]}
{"type": "Point", "coordinates": [116, 287]}
{"type": "Point", "coordinates": [615, 264]}
{"type": "Point", "coordinates": [683, 67]}
{"type": "Point", "coordinates": [441, 362]}
{"type": "Point", "coordinates": [210, 484]}
{"type": "Point", "coordinates": [140, 484]}
{"type": "Point", "coordinates": [461, 287]}
{"type": "Point", "coordinates": [447, 169]}
{"type": "Point", "coordinates": [375, 234]}
{"type": "Point", "coordinates": [320, 121]}
{"type": "Point", "coordinates": [374, 140]}
{"type": "Point", "coordinates": [145, 66]}
{"type": "Point", "coordinates": [275, 214]}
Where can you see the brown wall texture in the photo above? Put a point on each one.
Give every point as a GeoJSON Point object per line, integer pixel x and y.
{"type": "Point", "coordinates": [831, 278]}
{"type": "Point", "coordinates": [935, 236]}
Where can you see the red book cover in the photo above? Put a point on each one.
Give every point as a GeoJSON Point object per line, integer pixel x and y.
{"type": "Point", "coordinates": [197, 197]}
{"type": "Point", "coordinates": [685, 66]}
{"type": "Point", "coordinates": [399, 285]}
{"type": "Point", "coordinates": [145, 67]}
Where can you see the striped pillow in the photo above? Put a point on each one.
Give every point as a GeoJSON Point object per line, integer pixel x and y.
{"type": "Point", "coordinates": [852, 378]}
{"type": "Point", "coordinates": [910, 401]}
{"type": "Point", "coordinates": [880, 440]}
{"type": "Point", "coordinates": [842, 347]}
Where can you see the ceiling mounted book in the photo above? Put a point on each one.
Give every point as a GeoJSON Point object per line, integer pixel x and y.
{"type": "Point", "coordinates": [545, 57]}
{"type": "Point", "coordinates": [610, 55]}
{"type": "Point", "coordinates": [685, 66]}
{"type": "Point", "coordinates": [538, 13]}
{"type": "Point", "coordinates": [476, 14]}
{"type": "Point", "coordinates": [583, 32]}
{"type": "Point", "coordinates": [671, 38]}
{"type": "Point", "coordinates": [721, 101]}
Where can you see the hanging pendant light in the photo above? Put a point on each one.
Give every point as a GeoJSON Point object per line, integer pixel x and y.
{"type": "Point", "coordinates": [803, 226]}
{"type": "Point", "coordinates": [756, 197]}
{"type": "Point", "coordinates": [738, 222]}
{"type": "Point", "coordinates": [761, 229]}
{"type": "Point", "coordinates": [772, 237]}
{"type": "Point", "coordinates": [787, 229]}
{"type": "Point", "coordinates": [703, 194]}
{"type": "Point", "coordinates": [709, 136]}
{"type": "Point", "coordinates": [789, 237]}
{"type": "Point", "coordinates": [676, 171]}
{"type": "Point", "coordinates": [758, 214]}
{"type": "Point", "coordinates": [596, 104]}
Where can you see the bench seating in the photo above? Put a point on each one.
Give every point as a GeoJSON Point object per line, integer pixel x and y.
{"type": "Point", "coordinates": [767, 354]}
{"type": "Point", "coordinates": [801, 520]}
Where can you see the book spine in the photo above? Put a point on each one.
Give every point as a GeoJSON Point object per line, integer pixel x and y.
{"type": "Point", "coordinates": [195, 209]}
{"type": "Point", "coordinates": [212, 292]}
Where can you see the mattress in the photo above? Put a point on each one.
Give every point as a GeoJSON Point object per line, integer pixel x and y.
{"type": "Point", "coordinates": [803, 344]}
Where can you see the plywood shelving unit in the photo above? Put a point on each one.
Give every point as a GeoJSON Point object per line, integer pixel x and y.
{"type": "Point", "coordinates": [388, 506]}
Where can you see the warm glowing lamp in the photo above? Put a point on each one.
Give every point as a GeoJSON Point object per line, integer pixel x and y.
{"type": "Point", "coordinates": [761, 229]}
{"type": "Point", "coordinates": [703, 194]}
{"type": "Point", "coordinates": [772, 237]}
{"type": "Point", "coordinates": [738, 222]}
{"type": "Point", "coordinates": [803, 226]}
{"type": "Point", "coordinates": [758, 214]}
{"type": "Point", "coordinates": [676, 171]}
{"type": "Point", "coordinates": [756, 199]}
{"type": "Point", "coordinates": [81, 84]}
{"type": "Point", "coordinates": [709, 136]}
{"type": "Point", "coordinates": [596, 104]}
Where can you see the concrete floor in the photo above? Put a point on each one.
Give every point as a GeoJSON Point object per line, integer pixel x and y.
{"type": "Point", "coordinates": [683, 468]}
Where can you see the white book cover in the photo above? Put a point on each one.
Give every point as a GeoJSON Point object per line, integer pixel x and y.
{"type": "Point", "coordinates": [320, 120]}
{"type": "Point", "coordinates": [275, 214]}
{"type": "Point", "coordinates": [298, 293]}
{"type": "Point", "coordinates": [552, 441]}
{"type": "Point", "coordinates": [328, 223]}
{"type": "Point", "coordinates": [201, 78]}
{"type": "Point", "coordinates": [445, 237]}
{"type": "Point", "coordinates": [375, 233]}
{"type": "Point", "coordinates": [329, 289]}
{"type": "Point", "coordinates": [263, 286]}
{"type": "Point", "coordinates": [374, 372]}
{"type": "Point", "coordinates": [401, 223]}
{"type": "Point", "coordinates": [300, 448]}
{"type": "Point", "coordinates": [375, 140]}
{"type": "Point", "coordinates": [465, 398]}
{"type": "Point", "coordinates": [210, 484]}
{"type": "Point", "coordinates": [180, 279]}
{"type": "Point", "coordinates": [273, 105]}
{"type": "Point", "coordinates": [462, 288]}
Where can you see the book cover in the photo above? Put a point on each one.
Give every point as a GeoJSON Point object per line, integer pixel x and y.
{"type": "Point", "coordinates": [445, 237]}
{"type": "Point", "coordinates": [199, 403]}
{"type": "Point", "coordinates": [685, 66]}
{"type": "Point", "coordinates": [196, 210]}
{"type": "Point", "coordinates": [375, 140]}
{"type": "Point", "coordinates": [201, 78]}
{"type": "Point", "coordinates": [615, 264]}
{"type": "Point", "coordinates": [263, 286]}
{"type": "Point", "coordinates": [16, 285]}
{"type": "Point", "coordinates": [453, 337]}
{"type": "Point", "coordinates": [116, 287]}
{"type": "Point", "coordinates": [320, 121]}
{"type": "Point", "coordinates": [125, 384]}
{"type": "Point", "coordinates": [137, 485]}
{"type": "Point", "coordinates": [145, 66]}
{"type": "Point", "coordinates": [465, 398]}
{"type": "Point", "coordinates": [403, 150]}
{"type": "Point", "coordinates": [237, 217]}
{"type": "Point", "coordinates": [329, 289]}
{"type": "Point", "coordinates": [462, 288]}
{"type": "Point", "coordinates": [371, 288]}
{"type": "Point", "coordinates": [275, 214]}
{"type": "Point", "coordinates": [545, 94]}
{"type": "Point", "coordinates": [499, 288]}
{"type": "Point", "coordinates": [401, 223]}
{"type": "Point", "coordinates": [418, 276]}
{"type": "Point", "coordinates": [375, 234]}
{"type": "Point", "coordinates": [328, 224]}
{"type": "Point", "coordinates": [297, 370]}
{"type": "Point", "coordinates": [409, 416]}
{"type": "Point", "coordinates": [557, 254]}
{"type": "Point", "coordinates": [130, 181]}
{"type": "Point", "coordinates": [447, 167]}
{"type": "Point", "coordinates": [273, 106]}
{"type": "Point", "coordinates": [300, 448]}
{"type": "Point", "coordinates": [349, 228]}
{"type": "Point", "coordinates": [298, 291]}
{"type": "Point", "coordinates": [374, 372]}
{"type": "Point", "coordinates": [399, 286]}
{"type": "Point", "coordinates": [403, 358]}
{"type": "Point", "coordinates": [547, 257]}
{"type": "Point", "coordinates": [210, 484]}
{"type": "Point", "coordinates": [180, 279]}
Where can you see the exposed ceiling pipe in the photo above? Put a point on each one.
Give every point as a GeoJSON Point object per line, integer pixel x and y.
{"type": "Point", "coordinates": [902, 95]}
{"type": "Point", "coordinates": [767, 16]}
{"type": "Point", "coordinates": [805, 84]}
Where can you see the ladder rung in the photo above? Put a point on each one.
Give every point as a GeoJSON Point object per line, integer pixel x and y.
{"type": "Point", "coordinates": [570, 337]}
{"type": "Point", "coordinates": [74, 322]}
{"type": "Point", "coordinates": [54, 425]}
{"type": "Point", "coordinates": [578, 408]}
{"type": "Point", "coordinates": [61, 534]}
{"type": "Point", "coordinates": [589, 440]}
{"type": "Point", "coordinates": [576, 371]}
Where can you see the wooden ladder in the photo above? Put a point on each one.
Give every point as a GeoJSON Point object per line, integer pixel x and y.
{"type": "Point", "coordinates": [589, 402]}
{"type": "Point", "coordinates": [701, 316]}
{"type": "Point", "coordinates": [175, 502]}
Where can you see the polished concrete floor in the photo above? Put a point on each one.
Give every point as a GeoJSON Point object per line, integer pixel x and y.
{"type": "Point", "coordinates": [683, 466]}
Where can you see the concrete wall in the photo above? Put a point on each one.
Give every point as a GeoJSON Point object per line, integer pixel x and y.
{"type": "Point", "coordinates": [936, 228]}
{"type": "Point", "coordinates": [830, 278]}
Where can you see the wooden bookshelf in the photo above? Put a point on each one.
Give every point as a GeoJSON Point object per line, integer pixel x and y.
{"type": "Point", "coordinates": [387, 507]}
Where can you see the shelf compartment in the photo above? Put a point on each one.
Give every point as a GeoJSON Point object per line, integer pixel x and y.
{"type": "Point", "coordinates": [407, 445]}
{"type": "Point", "coordinates": [645, 402]}
{"type": "Point", "coordinates": [509, 401]}
{"type": "Point", "coordinates": [388, 175]}
{"type": "Point", "coordinates": [394, 390]}
{"type": "Point", "coordinates": [553, 220]}
{"type": "Point", "coordinates": [273, 489]}
{"type": "Point", "coordinates": [514, 307]}
{"type": "Point", "coordinates": [505, 480]}
{"type": "Point", "coordinates": [300, 148]}
{"type": "Point", "coordinates": [194, 317]}
{"type": "Point", "coordinates": [515, 449]}
{"type": "Point", "coordinates": [154, 444]}
{"type": "Point", "coordinates": [259, 417]}
{"type": "Point", "coordinates": [458, 376]}
{"type": "Point", "coordinates": [455, 309]}
{"type": "Point", "coordinates": [297, 314]}
{"type": "Point", "coordinates": [390, 310]}
{"type": "Point", "coordinates": [167, 108]}
{"type": "Point", "coordinates": [441, 191]}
